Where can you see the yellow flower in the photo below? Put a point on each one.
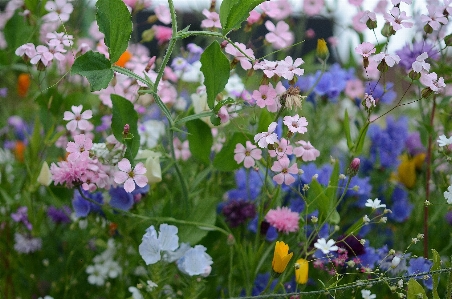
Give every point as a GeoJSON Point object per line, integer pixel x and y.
{"type": "Point", "coordinates": [281, 257]}
{"type": "Point", "coordinates": [406, 172]}
{"type": "Point", "coordinates": [301, 271]}
{"type": "Point", "coordinates": [322, 49]}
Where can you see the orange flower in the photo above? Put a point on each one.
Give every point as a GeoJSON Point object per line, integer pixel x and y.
{"type": "Point", "coordinates": [281, 257]}
{"type": "Point", "coordinates": [19, 150]}
{"type": "Point", "coordinates": [23, 84]}
{"type": "Point", "coordinates": [125, 57]}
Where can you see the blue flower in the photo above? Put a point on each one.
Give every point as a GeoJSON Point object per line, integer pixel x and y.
{"type": "Point", "coordinates": [401, 207]}
{"type": "Point", "coordinates": [120, 199]}
{"type": "Point", "coordinates": [82, 207]}
{"type": "Point", "coordinates": [249, 184]}
{"type": "Point", "coordinates": [261, 282]}
{"type": "Point", "coordinates": [381, 94]}
{"type": "Point", "coordinates": [265, 229]}
{"type": "Point", "coordinates": [421, 265]}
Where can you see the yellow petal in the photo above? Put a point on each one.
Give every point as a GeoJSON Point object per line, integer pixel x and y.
{"type": "Point", "coordinates": [301, 271]}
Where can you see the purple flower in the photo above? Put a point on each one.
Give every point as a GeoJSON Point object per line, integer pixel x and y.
{"type": "Point", "coordinates": [82, 207]}
{"type": "Point", "coordinates": [26, 243]}
{"type": "Point", "coordinates": [3, 92]}
{"type": "Point", "coordinates": [21, 215]}
{"type": "Point", "coordinates": [261, 282]}
{"type": "Point", "coordinates": [381, 94]}
{"type": "Point", "coordinates": [351, 244]}
{"type": "Point", "coordinates": [238, 211]}
{"type": "Point", "coordinates": [249, 184]}
{"type": "Point", "coordinates": [414, 145]}
{"type": "Point", "coordinates": [59, 215]}
{"type": "Point", "coordinates": [421, 265]}
{"type": "Point", "coordinates": [121, 199]}
{"type": "Point", "coordinates": [369, 258]}
{"type": "Point", "coordinates": [408, 55]}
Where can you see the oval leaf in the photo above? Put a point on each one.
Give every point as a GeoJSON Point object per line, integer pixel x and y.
{"type": "Point", "coordinates": [234, 12]}
{"type": "Point", "coordinates": [115, 22]}
{"type": "Point", "coordinates": [200, 140]}
{"type": "Point", "coordinates": [95, 67]}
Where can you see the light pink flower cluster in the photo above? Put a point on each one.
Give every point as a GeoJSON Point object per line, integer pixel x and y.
{"type": "Point", "coordinates": [286, 68]}
{"type": "Point", "coordinates": [239, 56]}
{"type": "Point", "coordinates": [283, 219]}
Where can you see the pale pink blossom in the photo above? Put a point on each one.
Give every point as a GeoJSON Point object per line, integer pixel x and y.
{"type": "Point", "coordinates": [365, 49]}
{"type": "Point", "coordinates": [130, 176]}
{"type": "Point", "coordinates": [247, 155]}
{"type": "Point", "coordinates": [280, 89]}
{"type": "Point", "coordinates": [79, 150]}
{"type": "Point", "coordinates": [56, 48]}
{"type": "Point", "coordinates": [432, 81]}
{"type": "Point", "coordinates": [265, 96]}
{"type": "Point", "coordinates": [435, 17]}
{"type": "Point", "coordinates": [282, 150]}
{"type": "Point", "coordinates": [287, 68]}
{"type": "Point", "coordinates": [390, 59]}
{"type": "Point", "coordinates": [369, 101]}
{"type": "Point", "coordinates": [212, 21]}
{"type": "Point", "coordinates": [313, 7]}
{"type": "Point", "coordinates": [26, 51]}
{"type": "Point", "coordinates": [296, 123]}
{"type": "Point", "coordinates": [265, 138]}
{"type": "Point", "coordinates": [77, 119]}
{"type": "Point", "coordinates": [244, 61]}
{"type": "Point", "coordinates": [306, 151]}
{"type": "Point", "coordinates": [162, 33]}
{"type": "Point", "coordinates": [368, 15]}
{"type": "Point", "coordinates": [42, 55]}
{"type": "Point", "coordinates": [278, 10]}
{"type": "Point", "coordinates": [356, 21]}
{"type": "Point", "coordinates": [62, 37]}
{"type": "Point", "coordinates": [267, 66]}
{"type": "Point", "coordinates": [181, 149]}
{"type": "Point", "coordinates": [163, 14]}
{"type": "Point", "coordinates": [223, 114]}
{"type": "Point", "coordinates": [280, 35]}
{"type": "Point", "coordinates": [397, 2]}
{"type": "Point", "coordinates": [354, 88]}
{"type": "Point", "coordinates": [69, 173]}
{"type": "Point", "coordinates": [59, 10]}
{"type": "Point", "coordinates": [381, 6]}
{"type": "Point", "coordinates": [397, 19]}
{"type": "Point", "coordinates": [283, 219]}
{"type": "Point", "coordinates": [420, 65]}
{"type": "Point", "coordinates": [253, 17]}
{"type": "Point", "coordinates": [285, 171]}
{"type": "Point", "coordinates": [355, 2]}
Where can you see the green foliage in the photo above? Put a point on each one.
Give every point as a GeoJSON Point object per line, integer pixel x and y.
{"type": "Point", "coordinates": [17, 32]}
{"type": "Point", "coordinates": [215, 67]}
{"type": "Point", "coordinates": [95, 67]}
{"type": "Point", "coordinates": [415, 290]}
{"type": "Point", "coordinates": [435, 277]}
{"type": "Point", "coordinates": [200, 140]}
{"type": "Point", "coordinates": [347, 130]}
{"type": "Point", "coordinates": [224, 160]}
{"type": "Point", "coordinates": [124, 113]}
{"type": "Point", "coordinates": [234, 12]}
{"type": "Point", "coordinates": [115, 22]}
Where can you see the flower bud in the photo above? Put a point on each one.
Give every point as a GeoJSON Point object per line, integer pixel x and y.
{"type": "Point", "coordinates": [448, 40]}
{"type": "Point", "coordinates": [301, 271]}
{"type": "Point", "coordinates": [395, 262]}
{"type": "Point", "coordinates": [45, 177]}
{"type": "Point", "coordinates": [426, 92]}
{"type": "Point", "coordinates": [428, 29]}
{"type": "Point", "coordinates": [383, 66]}
{"type": "Point", "coordinates": [353, 168]}
{"type": "Point", "coordinates": [414, 75]}
{"type": "Point", "coordinates": [387, 30]}
{"type": "Point", "coordinates": [322, 49]}
{"type": "Point", "coordinates": [371, 24]}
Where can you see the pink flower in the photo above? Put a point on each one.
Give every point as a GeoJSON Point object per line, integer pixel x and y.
{"type": "Point", "coordinates": [130, 176]}
{"type": "Point", "coordinates": [79, 150]}
{"type": "Point", "coordinates": [390, 59]}
{"type": "Point", "coordinates": [247, 155]}
{"type": "Point", "coordinates": [265, 138]}
{"type": "Point", "coordinates": [432, 81]}
{"type": "Point", "coordinates": [280, 89]}
{"type": "Point", "coordinates": [77, 119]}
{"type": "Point", "coordinates": [26, 51]}
{"type": "Point", "coordinates": [244, 62]}
{"type": "Point", "coordinates": [59, 10]}
{"type": "Point", "coordinates": [283, 219]}
{"type": "Point", "coordinates": [397, 19]}
{"type": "Point", "coordinates": [181, 149]}
{"type": "Point", "coordinates": [356, 21]}
{"type": "Point", "coordinates": [285, 172]}
{"type": "Point", "coordinates": [296, 123]}
{"type": "Point", "coordinates": [287, 68]}
{"type": "Point", "coordinates": [355, 2]}
{"type": "Point", "coordinates": [420, 65]}
{"type": "Point", "coordinates": [163, 14]}
{"type": "Point", "coordinates": [368, 15]}
{"type": "Point", "coordinates": [435, 17]}
{"type": "Point", "coordinates": [279, 36]}
{"type": "Point", "coordinates": [306, 151]}
{"type": "Point", "coordinates": [42, 55]}
{"type": "Point", "coordinates": [265, 96]}
{"type": "Point", "coordinates": [369, 101]}
{"type": "Point", "coordinates": [313, 7]}
{"type": "Point", "coordinates": [282, 150]}
{"type": "Point", "coordinates": [162, 33]}
{"type": "Point", "coordinates": [354, 88]}
{"type": "Point", "coordinates": [213, 19]}
{"type": "Point", "coordinates": [67, 172]}
{"type": "Point", "coordinates": [278, 10]}
{"type": "Point", "coordinates": [365, 49]}
{"type": "Point", "coordinates": [253, 17]}
{"type": "Point", "coordinates": [268, 67]}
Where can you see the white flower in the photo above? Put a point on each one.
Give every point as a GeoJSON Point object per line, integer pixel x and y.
{"type": "Point", "coordinates": [152, 245]}
{"type": "Point", "coordinates": [135, 293]}
{"type": "Point", "coordinates": [195, 261]}
{"type": "Point", "coordinates": [448, 194]}
{"type": "Point", "coordinates": [366, 219]}
{"type": "Point", "coordinates": [45, 177]}
{"type": "Point", "coordinates": [444, 141]}
{"type": "Point", "coordinates": [395, 262]}
{"type": "Point", "coordinates": [150, 132]}
{"type": "Point", "coordinates": [98, 274]}
{"type": "Point", "coordinates": [367, 294]}
{"type": "Point", "coordinates": [325, 246]}
{"type": "Point", "coordinates": [151, 285]}
{"type": "Point", "coordinates": [374, 204]}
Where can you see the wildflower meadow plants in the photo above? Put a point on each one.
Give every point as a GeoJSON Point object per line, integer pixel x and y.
{"type": "Point", "coordinates": [177, 171]}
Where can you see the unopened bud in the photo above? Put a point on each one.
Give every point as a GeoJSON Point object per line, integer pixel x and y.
{"type": "Point", "coordinates": [224, 44]}
{"type": "Point", "coordinates": [414, 75]}
{"type": "Point", "coordinates": [395, 262]}
{"type": "Point", "coordinates": [426, 92]}
{"type": "Point", "coordinates": [383, 66]}
{"type": "Point", "coordinates": [353, 168]}
{"type": "Point", "coordinates": [150, 63]}
{"type": "Point", "coordinates": [428, 29]}
{"type": "Point", "coordinates": [371, 24]}
{"type": "Point", "coordinates": [365, 62]}
{"type": "Point", "coordinates": [387, 30]}
{"type": "Point", "coordinates": [322, 51]}
{"type": "Point", "coordinates": [126, 130]}
{"type": "Point", "coordinates": [448, 40]}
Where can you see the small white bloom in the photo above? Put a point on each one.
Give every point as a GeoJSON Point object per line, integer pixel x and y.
{"type": "Point", "coordinates": [151, 285]}
{"type": "Point", "coordinates": [444, 141]}
{"type": "Point", "coordinates": [135, 293]}
{"type": "Point", "coordinates": [395, 262]}
{"type": "Point", "coordinates": [325, 246]}
{"type": "Point", "coordinates": [374, 204]}
{"type": "Point", "coordinates": [448, 194]}
{"type": "Point", "coordinates": [366, 219]}
{"type": "Point", "coordinates": [367, 294]}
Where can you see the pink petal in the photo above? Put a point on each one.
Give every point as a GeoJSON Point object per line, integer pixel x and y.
{"type": "Point", "coordinates": [68, 115]}
{"type": "Point", "coordinates": [239, 157]}
{"type": "Point", "coordinates": [72, 125]}
{"type": "Point", "coordinates": [279, 178]}
{"type": "Point", "coordinates": [249, 162]}
{"type": "Point", "coordinates": [121, 177]}
{"type": "Point", "coordinates": [83, 124]}
{"type": "Point", "coordinates": [139, 169]}
{"type": "Point", "coordinates": [141, 180]}
{"type": "Point", "coordinates": [129, 185]}
{"type": "Point", "coordinates": [288, 179]}
{"type": "Point", "coordinates": [124, 165]}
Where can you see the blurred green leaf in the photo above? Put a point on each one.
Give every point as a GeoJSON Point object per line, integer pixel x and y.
{"type": "Point", "coordinates": [347, 130]}
{"type": "Point", "coordinates": [435, 277]}
{"type": "Point", "coordinates": [95, 67]}
{"type": "Point", "coordinates": [200, 140]}
{"type": "Point", "coordinates": [234, 12]}
{"type": "Point", "coordinates": [415, 290]}
{"type": "Point", "coordinates": [224, 160]}
{"type": "Point", "coordinates": [216, 69]}
{"type": "Point", "coordinates": [124, 113]}
{"type": "Point", "coordinates": [115, 22]}
{"type": "Point", "coordinates": [362, 138]}
{"type": "Point", "coordinates": [265, 119]}
{"type": "Point", "coordinates": [17, 32]}
{"type": "Point", "coordinates": [204, 212]}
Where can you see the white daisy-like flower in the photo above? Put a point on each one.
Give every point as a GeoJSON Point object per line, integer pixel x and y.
{"type": "Point", "coordinates": [325, 246]}
{"type": "Point", "coordinates": [367, 294]}
{"type": "Point", "coordinates": [374, 204]}
{"type": "Point", "coordinates": [448, 194]}
{"type": "Point", "coordinates": [444, 141]}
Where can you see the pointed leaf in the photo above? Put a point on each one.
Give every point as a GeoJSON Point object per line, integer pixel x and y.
{"type": "Point", "coordinates": [435, 277]}
{"type": "Point", "coordinates": [124, 113]}
{"type": "Point", "coordinates": [415, 290]}
{"type": "Point", "coordinates": [362, 137]}
{"type": "Point", "coordinates": [95, 67]}
{"type": "Point", "coordinates": [216, 69]}
{"type": "Point", "coordinates": [115, 22]}
{"type": "Point", "coordinates": [347, 130]}
{"type": "Point", "coordinates": [200, 139]}
{"type": "Point", "coordinates": [234, 12]}
{"type": "Point", "coordinates": [16, 33]}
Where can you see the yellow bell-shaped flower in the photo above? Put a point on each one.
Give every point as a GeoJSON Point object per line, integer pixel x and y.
{"type": "Point", "coordinates": [301, 271]}
{"type": "Point", "coordinates": [281, 257]}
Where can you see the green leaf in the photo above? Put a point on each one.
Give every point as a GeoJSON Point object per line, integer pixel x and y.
{"type": "Point", "coordinates": [323, 203]}
{"type": "Point", "coordinates": [124, 113]}
{"type": "Point", "coordinates": [234, 12]}
{"type": "Point", "coordinates": [362, 137]}
{"type": "Point", "coordinates": [17, 32]}
{"type": "Point", "coordinates": [435, 277]}
{"type": "Point", "coordinates": [203, 212]}
{"type": "Point", "coordinates": [115, 22]}
{"type": "Point", "coordinates": [265, 119]}
{"type": "Point", "coordinates": [200, 140]}
{"type": "Point", "coordinates": [95, 67]}
{"type": "Point", "coordinates": [216, 69]}
{"type": "Point", "coordinates": [415, 290]}
{"type": "Point", "coordinates": [347, 130]}
{"type": "Point", "coordinates": [224, 160]}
